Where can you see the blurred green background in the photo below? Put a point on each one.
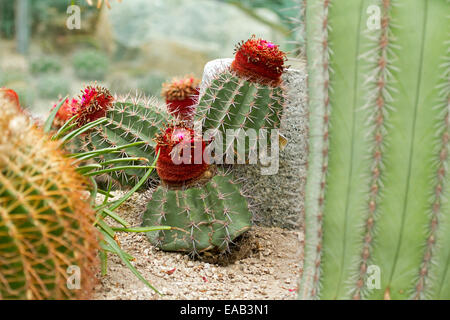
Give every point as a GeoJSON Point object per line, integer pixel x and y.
{"type": "Point", "coordinates": [135, 45]}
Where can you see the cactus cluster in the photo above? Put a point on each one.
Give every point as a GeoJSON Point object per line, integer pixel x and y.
{"type": "Point", "coordinates": [45, 226]}
{"type": "Point", "coordinates": [378, 185]}
{"type": "Point", "coordinates": [248, 95]}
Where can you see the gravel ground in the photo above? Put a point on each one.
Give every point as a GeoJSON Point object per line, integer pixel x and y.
{"type": "Point", "coordinates": [265, 264]}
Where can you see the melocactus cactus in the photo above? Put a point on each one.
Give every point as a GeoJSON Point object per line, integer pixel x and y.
{"type": "Point", "coordinates": [46, 229]}
{"type": "Point", "coordinates": [247, 95]}
{"type": "Point", "coordinates": [181, 155]}
{"type": "Point", "coordinates": [93, 104]}
{"type": "Point", "coordinates": [181, 95]}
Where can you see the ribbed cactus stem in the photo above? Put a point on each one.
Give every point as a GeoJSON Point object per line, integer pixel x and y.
{"type": "Point", "coordinates": [129, 120]}
{"type": "Point", "coordinates": [245, 97]}
{"type": "Point", "coordinates": [204, 217]}
{"type": "Point", "coordinates": [378, 183]}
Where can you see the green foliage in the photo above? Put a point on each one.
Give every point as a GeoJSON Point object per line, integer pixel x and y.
{"type": "Point", "coordinates": [284, 8]}
{"type": "Point", "coordinates": [52, 86]}
{"type": "Point", "coordinates": [90, 64]}
{"type": "Point", "coordinates": [202, 218]}
{"type": "Point", "coordinates": [45, 64]}
{"type": "Point", "coordinates": [26, 93]}
{"type": "Point", "coordinates": [8, 76]}
{"type": "Point", "coordinates": [7, 19]}
{"type": "Point", "coordinates": [378, 182]}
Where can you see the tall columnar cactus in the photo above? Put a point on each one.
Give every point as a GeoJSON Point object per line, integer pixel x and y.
{"type": "Point", "coordinates": [249, 94]}
{"type": "Point", "coordinates": [203, 217]}
{"type": "Point", "coordinates": [378, 183]}
{"type": "Point", "coordinates": [45, 227]}
{"type": "Point", "coordinates": [128, 121]}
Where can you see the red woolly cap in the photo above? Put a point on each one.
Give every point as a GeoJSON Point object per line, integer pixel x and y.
{"type": "Point", "coordinates": [181, 96]}
{"type": "Point", "coordinates": [93, 104]}
{"type": "Point", "coordinates": [260, 60]}
{"type": "Point", "coordinates": [174, 166]}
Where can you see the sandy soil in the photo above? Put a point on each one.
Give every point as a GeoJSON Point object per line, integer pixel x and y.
{"type": "Point", "coordinates": [265, 264]}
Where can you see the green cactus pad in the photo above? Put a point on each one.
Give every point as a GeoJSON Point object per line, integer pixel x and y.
{"type": "Point", "coordinates": [378, 183]}
{"type": "Point", "coordinates": [206, 217]}
{"type": "Point", "coordinates": [232, 102]}
{"type": "Point", "coordinates": [128, 122]}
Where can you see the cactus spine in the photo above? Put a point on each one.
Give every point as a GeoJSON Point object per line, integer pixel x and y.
{"type": "Point", "coordinates": [45, 227]}
{"type": "Point", "coordinates": [203, 217]}
{"type": "Point", "coordinates": [378, 180]}
{"type": "Point", "coordinates": [247, 95]}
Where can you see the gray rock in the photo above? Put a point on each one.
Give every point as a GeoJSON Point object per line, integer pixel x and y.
{"type": "Point", "coordinates": [278, 200]}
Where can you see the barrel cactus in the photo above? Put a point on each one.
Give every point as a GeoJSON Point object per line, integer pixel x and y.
{"type": "Point", "coordinates": [205, 208]}
{"type": "Point", "coordinates": [46, 229]}
{"type": "Point", "coordinates": [247, 95]}
{"type": "Point", "coordinates": [129, 120]}
{"type": "Point", "coordinates": [377, 211]}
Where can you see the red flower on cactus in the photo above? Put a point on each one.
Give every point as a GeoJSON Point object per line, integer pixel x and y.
{"type": "Point", "coordinates": [181, 155]}
{"type": "Point", "coordinates": [67, 111]}
{"type": "Point", "coordinates": [260, 60]}
{"type": "Point", "coordinates": [93, 104]}
{"type": "Point", "coordinates": [181, 97]}
{"type": "Point", "coordinates": [11, 95]}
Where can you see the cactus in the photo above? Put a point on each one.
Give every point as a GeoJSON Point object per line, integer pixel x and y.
{"type": "Point", "coordinates": [202, 218]}
{"type": "Point", "coordinates": [128, 121]}
{"type": "Point", "coordinates": [181, 158]}
{"type": "Point", "coordinates": [45, 226]}
{"type": "Point", "coordinates": [249, 94]}
{"type": "Point", "coordinates": [378, 182]}
{"type": "Point", "coordinates": [181, 97]}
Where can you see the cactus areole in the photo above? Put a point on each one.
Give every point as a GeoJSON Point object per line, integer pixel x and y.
{"type": "Point", "coordinates": [181, 158]}
{"type": "Point", "coordinates": [94, 103]}
{"type": "Point", "coordinates": [259, 60]}
{"type": "Point", "coordinates": [181, 97]}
